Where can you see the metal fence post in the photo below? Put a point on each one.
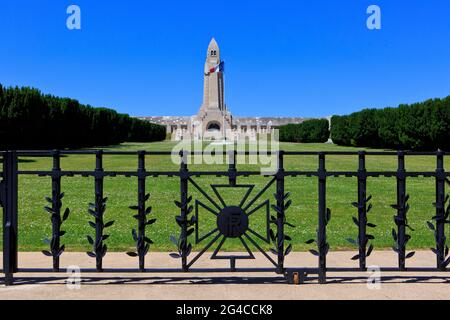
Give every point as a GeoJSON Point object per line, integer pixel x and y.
{"type": "Point", "coordinates": [280, 212]}
{"type": "Point", "coordinates": [232, 168]}
{"type": "Point", "coordinates": [141, 204]}
{"type": "Point", "coordinates": [10, 215]}
{"type": "Point", "coordinates": [401, 211]}
{"type": "Point", "coordinates": [322, 230]}
{"type": "Point", "coordinates": [362, 210]}
{"type": "Point", "coordinates": [440, 211]}
{"type": "Point", "coordinates": [56, 207]}
{"type": "Point", "coordinates": [184, 209]}
{"type": "Point", "coordinates": [99, 203]}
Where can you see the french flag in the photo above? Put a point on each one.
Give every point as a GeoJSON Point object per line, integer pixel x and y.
{"type": "Point", "coordinates": [219, 68]}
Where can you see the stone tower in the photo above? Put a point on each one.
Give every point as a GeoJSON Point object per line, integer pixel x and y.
{"type": "Point", "coordinates": [213, 115]}
{"type": "Point", "coordinates": [214, 120]}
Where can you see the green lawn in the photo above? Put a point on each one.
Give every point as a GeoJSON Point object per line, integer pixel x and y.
{"type": "Point", "coordinates": [34, 222]}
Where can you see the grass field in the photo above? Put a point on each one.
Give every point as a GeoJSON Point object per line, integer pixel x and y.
{"type": "Point", "coordinates": [34, 222]}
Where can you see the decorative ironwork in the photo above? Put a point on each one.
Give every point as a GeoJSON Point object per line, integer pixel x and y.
{"type": "Point", "coordinates": [279, 241]}
{"type": "Point", "coordinates": [97, 210]}
{"type": "Point", "coordinates": [441, 240]}
{"type": "Point", "coordinates": [55, 215]}
{"type": "Point", "coordinates": [56, 249]}
{"type": "Point", "coordinates": [9, 191]}
{"type": "Point", "coordinates": [401, 237]}
{"type": "Point", "coordinates": [364, 207]}
{"type": "Point", "coordinates": [282, 204]}
{"type": "Point", "coordinates": [402, 207]}
{"type": "Point", "coordinates": [233, 220]}
{"type": "Point", "coordinates": [186, 224]}
{"type": "Point", "coordinates": [442, 216]}
{"type": "Point", "coordinates": [142, 241]}
{"type": "Point", "coordinates": [324, 218]}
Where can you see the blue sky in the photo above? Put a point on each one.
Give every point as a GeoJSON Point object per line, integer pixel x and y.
{"type": "Point", "coordinates": [283, 58]}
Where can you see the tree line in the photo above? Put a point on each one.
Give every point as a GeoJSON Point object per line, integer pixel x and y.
{"type": "Point", "coordinates": [315, 130]}
{"type": "Point", "coordinates": [418, 126]}
{"type": "Point", "coordinates": [32, 120]}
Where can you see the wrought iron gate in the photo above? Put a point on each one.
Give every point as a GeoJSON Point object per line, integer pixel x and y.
{"type": "Point", "coordinates": [232, 219]}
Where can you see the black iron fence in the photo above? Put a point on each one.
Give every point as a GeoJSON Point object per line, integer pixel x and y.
{"type": "Point", "coordinates": [232, 221]}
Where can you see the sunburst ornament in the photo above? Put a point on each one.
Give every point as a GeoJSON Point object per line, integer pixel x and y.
{"type": "Point", "coordinates": [233, 221]}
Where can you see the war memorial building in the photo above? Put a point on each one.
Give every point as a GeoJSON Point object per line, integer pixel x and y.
{"type": "Point", "coordinates": [214, 120]}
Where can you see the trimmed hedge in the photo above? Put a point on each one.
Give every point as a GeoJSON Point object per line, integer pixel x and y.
{"type": "Point", "coordinates": [316, 130]}
{"type": "Point", "coordinates": [419, 126]}
{"type": "Point", "coordinates": [31, 120]}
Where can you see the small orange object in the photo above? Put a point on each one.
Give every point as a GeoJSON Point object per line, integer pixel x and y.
{"type": "Point", "coordinates": [296, 278]}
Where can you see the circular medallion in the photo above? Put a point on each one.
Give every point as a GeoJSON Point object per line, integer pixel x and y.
{"type": "Point", "coordinates": [232, 222]}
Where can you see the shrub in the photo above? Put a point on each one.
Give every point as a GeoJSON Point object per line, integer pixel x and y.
{"type": "Point", "coordinates": [31, 120]}
{"type": "Point", "coordinates": [340, 133]}
{"type": "Point", "coordinates": [316, 130]}
{"type": "Point", "coordinates": [419, 126]}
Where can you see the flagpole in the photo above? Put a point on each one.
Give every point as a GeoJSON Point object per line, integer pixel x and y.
{"type": "Point", "coordinates": [222, 99]}
{"type": "Point", "coordinates": [223, 119]}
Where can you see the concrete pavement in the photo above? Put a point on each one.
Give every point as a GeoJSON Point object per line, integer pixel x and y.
{"type": "Point", "coordinates": [223, 286]}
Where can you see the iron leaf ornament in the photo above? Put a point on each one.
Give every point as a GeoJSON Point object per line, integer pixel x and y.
{"type": "Point", "coordinates": [401, 220]}
{"type": "Point", "coordinates": [57, 220]}
{"type": "Point", "coordinates": [142, 241]}
{"type": "Point", "coordinates": [441, 240]}
{"type": "Point", "coordinates": [321, 242]}
{"type": "Point", "coordinates": [186, 222]}
{"type": "Point", "coordinates": [279, 242]}
{"type": "Point", "coordinates": [364, 207]}
{"type": "Point", "coordinates": [97, 210]}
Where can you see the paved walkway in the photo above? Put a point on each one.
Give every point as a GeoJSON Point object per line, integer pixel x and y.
{"type": "Point", "coordinates": [222, 286]}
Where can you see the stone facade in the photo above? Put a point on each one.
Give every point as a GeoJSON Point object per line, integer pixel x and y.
{"type": "Point", "coordinates": [214, 120]}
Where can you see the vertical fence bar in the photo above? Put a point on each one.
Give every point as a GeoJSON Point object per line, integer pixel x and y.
{"type": "Point", "coordinates": [401, 211]}
{"type": "Point", "coordinates": [321, 232]}
{"type": "Point", "coordinates": [440, 212]}
{"type": "Point", "coordinates": [232, 168]}
{"type": "Point", "coordinates": [184, 207]}
{"type": "Point", "coordinates": [362, 209]}
{"type": "Point", "coordinates": [56, 208]}
{"type": "Point", "coordinates": [99, 203]}
{"type": "Point", "coordinates": [280, 212]}
{"type": "Point", "coordinates": [141, 206]}
{"type": "Point", "coordinates": [10, 185]}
